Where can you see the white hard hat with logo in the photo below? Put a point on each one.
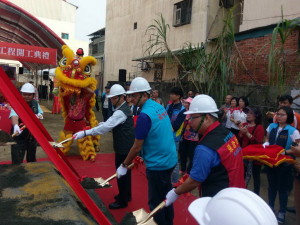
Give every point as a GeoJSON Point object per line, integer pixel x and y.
{"type": "Point", "coordinates": [27, 88]}
{"type": "Point", "coordinates": [116, 90]}
{"type": "Point", "coordinates": [203, 104]}
{"type": "Point", "coordinates": [232, 206]}
{"type": "Point", "coordinates": [139, 84]}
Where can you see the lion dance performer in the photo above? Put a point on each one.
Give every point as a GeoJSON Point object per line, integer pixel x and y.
{"type": "Point", "coordinates": [76, 92]}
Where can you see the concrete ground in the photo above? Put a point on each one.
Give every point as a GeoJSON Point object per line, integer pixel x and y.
{"type": "Point", "coordinates": [35, 194]}
{"type": "Point", "coordinates": [54, 123]}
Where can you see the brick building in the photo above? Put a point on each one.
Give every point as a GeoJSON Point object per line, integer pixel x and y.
{"type": "Point", "coordinates": [254, 48]}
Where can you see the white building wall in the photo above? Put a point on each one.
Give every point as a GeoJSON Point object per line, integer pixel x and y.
{"type": "Point", "coordinates": [258, 13]}
{"type": "Point", "coordinates": [123, 43]}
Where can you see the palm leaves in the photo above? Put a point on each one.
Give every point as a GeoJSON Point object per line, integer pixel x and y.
{"type": "Point", "coordinates": [158, 37]}
{"type": "Point", "coordinates": [278, 67]}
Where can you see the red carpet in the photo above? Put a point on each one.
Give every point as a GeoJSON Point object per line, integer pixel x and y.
{"type": "Point", "coordinates": [104, 167]}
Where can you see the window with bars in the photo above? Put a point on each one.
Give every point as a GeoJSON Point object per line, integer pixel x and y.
{"type": "Point", "coordinates": [242, 12]}
{"type": "Point", "coordinates": [226, 3]}
{"type": "Point", "coordinates": [94, 49]}
{"type": "Point", "coordinates": [158, 72]}
{"type": "Point", "coordinates": [182, 13]}
{"type": "Point", "coordinates": [101, 47]}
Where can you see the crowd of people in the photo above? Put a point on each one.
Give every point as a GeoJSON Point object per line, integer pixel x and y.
{"type": "Point", "coordinates": [196, 138]}
{"type": "Point", "coordinates": [192, 136]}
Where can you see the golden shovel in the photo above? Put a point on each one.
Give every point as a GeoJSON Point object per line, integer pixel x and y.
{"type": "Point", "coordinates": [60, 144]}
{"type": "Point", "coordinates": [103, 182]}
{"type": "Point", "coordinates": [144, 218]}
{"type": "Point", "coordinates": [94, 183]}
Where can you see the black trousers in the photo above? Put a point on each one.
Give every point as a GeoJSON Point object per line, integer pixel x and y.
{"type": "Point", "coordinates": [124, 183]}
{"type": "Point", "coordinates": [18, 151]}
{"type": "Point", "coordinates": [96, 104]}
{"type": "Point", "coordinates": [105, 113]}
{"type": "Point", "coordinates": [280, 180]}
{"type": "Point", "coordinates": [159, 184]}
{"type": "Point", "coordinates": [186, 151]}
{"type": "Point", "coordinates": [256, 177]}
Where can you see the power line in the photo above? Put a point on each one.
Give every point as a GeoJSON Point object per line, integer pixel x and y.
{"type": "Point", "coordinates": [272, 17]}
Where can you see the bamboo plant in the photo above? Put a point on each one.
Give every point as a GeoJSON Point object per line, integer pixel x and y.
{"type": "Point", "coordinates": [279, 70]}
{"type": "Point", "coordinates": [210, 71]}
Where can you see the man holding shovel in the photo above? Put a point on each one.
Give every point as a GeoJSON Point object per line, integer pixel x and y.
{"type": "Point", "coordinates": [154, 140]}
{"type": "Point", "coordinates": [25, 141]}
{"type": "Point", "coordinates": [218, 161]}
{"type": "Point", "coordinates": [121, 123]}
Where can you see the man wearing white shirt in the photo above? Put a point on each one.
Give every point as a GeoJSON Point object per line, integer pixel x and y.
{"type": "Point", "coordinates": [25, 142]}
{"type": "Point", "coordinates": [121, 123]}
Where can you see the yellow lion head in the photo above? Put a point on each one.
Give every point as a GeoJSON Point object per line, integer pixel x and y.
{"type": "Point", "coordinates": [75, 71]}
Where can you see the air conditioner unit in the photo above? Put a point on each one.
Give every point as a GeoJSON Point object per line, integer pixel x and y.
{"type": "Point", "coordinates": [145, 66]}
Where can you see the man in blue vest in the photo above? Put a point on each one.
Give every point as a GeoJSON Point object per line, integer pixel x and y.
{"type": "Point", "coordinates": [175, 111]}
{"type": "Point", "coordinates": [25, 141]}
{"type": "Point", "coordinates": [154, 140]}
{"type": "Point", "coordinates": [121, 124]}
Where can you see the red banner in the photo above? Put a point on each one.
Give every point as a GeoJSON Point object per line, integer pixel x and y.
{"type": "Point", "coordinates": [27, 53]}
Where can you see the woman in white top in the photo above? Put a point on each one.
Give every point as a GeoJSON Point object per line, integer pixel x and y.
{"type": "Point", "coordinates": [228, 112]}
{"type": "Point", "coordinates": [239, 116]}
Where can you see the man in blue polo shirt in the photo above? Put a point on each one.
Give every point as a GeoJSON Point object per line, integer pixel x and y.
{"type": "Point", "coordinates": [154, 140]}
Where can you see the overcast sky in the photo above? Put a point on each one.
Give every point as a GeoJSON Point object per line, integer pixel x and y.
{"type": "Point", "coordinates": [90, 17]}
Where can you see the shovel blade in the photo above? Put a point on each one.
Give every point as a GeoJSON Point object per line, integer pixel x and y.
{"type": "Point", "coordinates": [91, 183]}
{"type": "Point", "coordinates": [55, 144]}
{"type": "Point", "coordinates": [148, 222]}
{"type": "Point", "coordinates": [102, 182]}
{"type": "Point", "coordinates": [60, 144]}
{"type": "Point", "coordinates": [140, 215]}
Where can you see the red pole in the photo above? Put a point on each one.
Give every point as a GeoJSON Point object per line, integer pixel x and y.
{"type": "Point", "coordinates": [39, 132]}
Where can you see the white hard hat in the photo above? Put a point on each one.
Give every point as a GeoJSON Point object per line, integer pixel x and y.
{"type": "Point", "coordinates": [27, 88]}
{"type": "Point", "coordinates": [203, 104]}
{"type": "Point", "coordinates": [116, 90]}
{"type": "Point", "coordinates": [139, 84]}
{"type": "Point", "coordinates": [232, 206]}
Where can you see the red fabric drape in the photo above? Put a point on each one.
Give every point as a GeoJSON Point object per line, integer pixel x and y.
{"type": "Point", "coordinates": [270, 155]}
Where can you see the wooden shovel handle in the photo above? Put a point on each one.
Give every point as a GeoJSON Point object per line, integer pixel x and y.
{"type": "Point", "coordinates": [130, 166]}
{"type": "Point", "coordinates": [66, 140]}
{"type": "Point", "coordinates": [115, 175]}
{"type": "Point", "coordinates": [16, 133]}
{"type": "Point", "coordinates": [154, 211]}
{"type": "Point", "coordinates": [109, 179]}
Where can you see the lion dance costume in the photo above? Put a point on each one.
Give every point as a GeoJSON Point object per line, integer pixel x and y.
{"type": "Point", "coordinates": [76, 92]}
